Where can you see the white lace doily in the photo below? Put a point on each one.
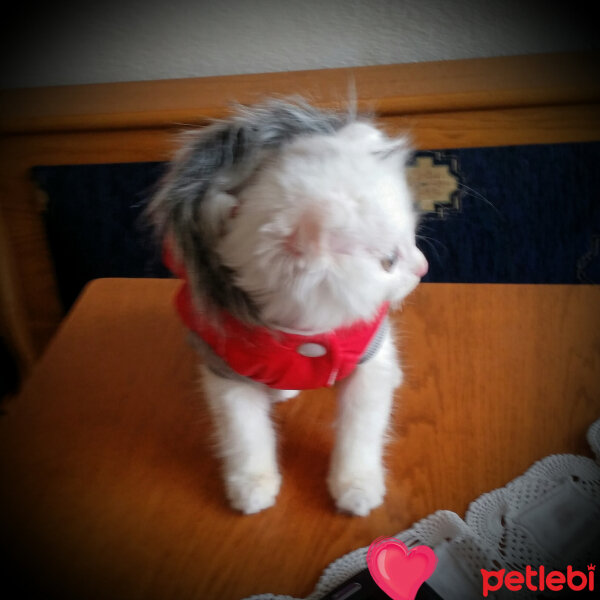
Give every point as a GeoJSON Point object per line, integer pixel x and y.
{"type": "Point", "coordinates": [550, 516]}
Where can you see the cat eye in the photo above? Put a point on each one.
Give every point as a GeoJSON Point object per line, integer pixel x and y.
{"type": "Point", "coordinates": [389, 261]}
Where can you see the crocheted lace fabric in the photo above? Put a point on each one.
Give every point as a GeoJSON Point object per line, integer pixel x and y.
{"type": "Point", "coordinates": [548, 516]}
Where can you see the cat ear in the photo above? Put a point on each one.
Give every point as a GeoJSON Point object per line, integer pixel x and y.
{"type": "Point", "coordinates": [394, 150]}
{"type": "Point", "coordinates": [218, 209]}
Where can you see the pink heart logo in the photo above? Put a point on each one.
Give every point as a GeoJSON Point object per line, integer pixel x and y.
{"type": "Point", "coordinates": [398, 572]}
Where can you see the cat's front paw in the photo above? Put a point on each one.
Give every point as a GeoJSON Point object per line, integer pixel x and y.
{"type": "Point", "coordinates": [252, 492]}
{"type": "Point", "coordinates": [357, 495]}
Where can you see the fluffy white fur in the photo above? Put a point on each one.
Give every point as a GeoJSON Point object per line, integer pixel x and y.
{"type": "Point", "coordinates": [323, 233]}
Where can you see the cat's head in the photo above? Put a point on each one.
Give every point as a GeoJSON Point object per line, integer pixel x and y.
{"type": "Point", "coordinates": [303, 219]}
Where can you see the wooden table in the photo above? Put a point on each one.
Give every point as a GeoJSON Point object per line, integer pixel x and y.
{"type": "Point", "coordinates": [109, 485]}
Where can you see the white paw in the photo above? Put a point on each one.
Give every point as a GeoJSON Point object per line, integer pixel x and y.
{"type": "Point", "coordinates": [357, 495]}
{"type": "Point", "coordinates": [253, 492]}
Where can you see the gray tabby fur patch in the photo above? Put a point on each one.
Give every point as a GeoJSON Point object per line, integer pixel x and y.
{"type": "Point", "coordinates": [221, 158]}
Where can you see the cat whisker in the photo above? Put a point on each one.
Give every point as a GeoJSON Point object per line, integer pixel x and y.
{"type": "Point", "coordinates": [473, 192]}
{"type": "Point", "coordinates": [431, 244]}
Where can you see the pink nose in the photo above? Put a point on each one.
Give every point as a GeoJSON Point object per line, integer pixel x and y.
{"type": "Point", "coordinates": [421, 268]}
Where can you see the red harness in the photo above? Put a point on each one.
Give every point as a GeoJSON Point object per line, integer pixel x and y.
{"type": "Point", "coordinates": [280, 360]}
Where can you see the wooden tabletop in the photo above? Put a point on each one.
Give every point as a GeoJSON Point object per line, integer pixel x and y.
{"type": "Point", "coordinates": [109, 487]}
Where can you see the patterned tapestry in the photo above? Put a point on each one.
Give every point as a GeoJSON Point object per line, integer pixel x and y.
{"type": "Point", "coordinates": [513, 214]}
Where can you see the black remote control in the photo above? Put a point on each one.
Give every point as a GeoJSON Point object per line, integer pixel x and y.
{"type": "Point", "coordinates": [363, 587]}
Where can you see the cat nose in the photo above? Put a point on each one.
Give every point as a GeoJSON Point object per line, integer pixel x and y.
{"type": "Point", "coordinates": [421, 266]}
{"type": "Point", "coordinates": [422, 269]}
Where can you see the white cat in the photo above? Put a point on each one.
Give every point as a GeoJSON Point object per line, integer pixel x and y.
{"type": "Point", "coordinates": [294, 230]}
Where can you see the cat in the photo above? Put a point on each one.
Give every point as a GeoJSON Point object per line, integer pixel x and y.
{"type": "Point", "coordinates": [293, 230]}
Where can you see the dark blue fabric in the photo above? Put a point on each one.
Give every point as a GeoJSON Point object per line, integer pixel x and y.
{"type": "Point", "coordinates": [522, 214]}
{"type": "Point", "coordinates": [95, 225]}
{"type": "Point", "coordinates": [526, 214]}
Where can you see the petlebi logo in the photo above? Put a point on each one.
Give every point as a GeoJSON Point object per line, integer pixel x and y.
{"type": "Point", "coordinates": [398, 572]}
{"type": "Point", "coordinates": [538, 580]}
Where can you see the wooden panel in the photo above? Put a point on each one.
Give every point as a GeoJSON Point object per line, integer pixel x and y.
{"type": "Point", "coordinates": [388, 89]}
{"type": "Point", "coordinates": [451, 129]}
{"type": "Point", "coordinates": [110, 488]}
{"type": "Point", "coordinates": [516, 126]}
{"type": "Point", "coordinates": [17, 335]}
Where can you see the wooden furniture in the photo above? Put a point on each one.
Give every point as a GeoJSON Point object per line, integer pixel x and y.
{"type": "Point", "coordinates": [110, 488]}
{"type": "Point", "coordinates": [480, 102]}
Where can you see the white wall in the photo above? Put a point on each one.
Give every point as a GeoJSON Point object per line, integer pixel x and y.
{"type": "Point", "coordinates": [86, 42]}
